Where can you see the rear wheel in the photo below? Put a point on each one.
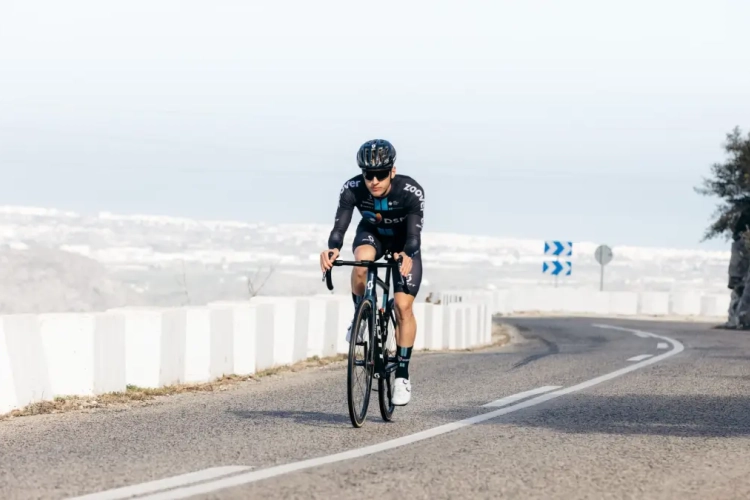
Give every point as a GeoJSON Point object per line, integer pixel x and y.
{"type": "Point", "coordinates": [360, 365]}
{"type": "Point", "coordinates": [386, 385]}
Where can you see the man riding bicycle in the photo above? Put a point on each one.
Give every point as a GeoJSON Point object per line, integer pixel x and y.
{"type": "Point", "coordinates": [392, 209]}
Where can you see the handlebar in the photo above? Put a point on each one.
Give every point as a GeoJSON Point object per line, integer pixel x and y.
{"type": "Point", "coordinates": [390, 262]}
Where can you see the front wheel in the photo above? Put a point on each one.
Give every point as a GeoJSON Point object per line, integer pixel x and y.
{"type": "Point", "coordinates": [360, 368]}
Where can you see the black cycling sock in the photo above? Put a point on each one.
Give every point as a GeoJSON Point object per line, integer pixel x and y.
{"type": "Point", "coordinates": [403, 354]}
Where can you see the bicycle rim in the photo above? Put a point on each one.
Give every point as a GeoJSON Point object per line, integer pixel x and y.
{"type": "Point", "coordinates": [360, 366]}
{"type": "Point", "coordinates": [386, 384]}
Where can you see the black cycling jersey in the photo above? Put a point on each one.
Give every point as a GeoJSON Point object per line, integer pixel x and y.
{"type": "Point", "coordinates": [399, 215]}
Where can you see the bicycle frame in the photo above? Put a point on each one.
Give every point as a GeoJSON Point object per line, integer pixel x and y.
{"type": "Point", "coordinates": [381, 314]}
{"type": "Point", "coordinates": [377, 363]}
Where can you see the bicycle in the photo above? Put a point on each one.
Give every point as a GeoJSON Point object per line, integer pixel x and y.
{"type": "Point", "coordinates": [380, 362]}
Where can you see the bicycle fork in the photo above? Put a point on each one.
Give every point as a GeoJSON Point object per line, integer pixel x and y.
{"type": "Point", "coordinates": [377, 319]}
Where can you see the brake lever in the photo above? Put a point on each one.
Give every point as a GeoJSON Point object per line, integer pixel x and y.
{"type": "Point", "coordinates": [402, 278]}
{"type": "Point", "coordinates": [327, 276]}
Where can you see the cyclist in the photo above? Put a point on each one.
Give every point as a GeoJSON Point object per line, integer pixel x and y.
{"type": "Point", "coordinates": [392, 209]}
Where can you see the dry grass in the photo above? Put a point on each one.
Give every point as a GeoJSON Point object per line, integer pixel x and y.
{"type": "Point", "coordinates": [500, 337]}
{"type": "Point", "coordinates": [500, 334]}
{"type": "Point", "coordinates": [134, 395]}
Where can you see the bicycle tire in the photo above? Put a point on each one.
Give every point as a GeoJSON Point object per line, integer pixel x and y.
{"type": "Point", "coordinates": [387, 383]}
{"type": "Point", "coordinates": [364, 313]}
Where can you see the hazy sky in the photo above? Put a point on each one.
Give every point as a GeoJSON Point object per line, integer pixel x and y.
{"type": "Point", "coordinates": [583, 120]}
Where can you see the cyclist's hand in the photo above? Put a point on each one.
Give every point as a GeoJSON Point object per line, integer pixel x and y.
{"type": "Point", "coordinates": [405, 263]}
{"type": "Point", "coordinates": [325, 262]}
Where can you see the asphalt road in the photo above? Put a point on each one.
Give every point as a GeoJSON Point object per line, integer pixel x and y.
{"type": "Point", "coordinates": [607, 423]}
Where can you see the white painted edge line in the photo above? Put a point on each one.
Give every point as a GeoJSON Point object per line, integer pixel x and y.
{"type": "Point", "coordinates": [640, 357]}
{"type": "Point", "coordinates": [279, 470]}
{"type": "Point", "coordinates": [162, 484]}
{"type": "Point", "coordinates": [662, 345]}
{"type": "Point", "coordinates": [521, 395]}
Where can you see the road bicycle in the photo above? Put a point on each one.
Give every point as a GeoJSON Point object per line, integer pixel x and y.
{"type": "Point", "coordinates": [379, 359]}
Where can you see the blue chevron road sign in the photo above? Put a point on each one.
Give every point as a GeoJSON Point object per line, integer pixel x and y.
{"type": "Point", "coordinates": [556, 268]}
{"type": "Point", "coordinates": [558, 248]}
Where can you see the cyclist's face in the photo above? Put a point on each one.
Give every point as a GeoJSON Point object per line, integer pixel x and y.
{"type": "Point", "coordinates": [379, 184]}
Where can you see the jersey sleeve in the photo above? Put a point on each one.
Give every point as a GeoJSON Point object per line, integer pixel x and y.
{"type": "Point", "coordinates": [344, 213]}
{"type": "Point", "coordinates": [414, 219]}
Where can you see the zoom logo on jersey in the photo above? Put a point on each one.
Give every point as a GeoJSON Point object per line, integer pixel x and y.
{"type": "Point", "coordinates": [418, 192]}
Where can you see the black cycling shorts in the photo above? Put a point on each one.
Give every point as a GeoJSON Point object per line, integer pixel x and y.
{"type": "Point", "coordinates": [381, 243]}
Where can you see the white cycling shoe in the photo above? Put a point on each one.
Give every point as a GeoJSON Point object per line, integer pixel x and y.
{"type": "Point", "coordinates": [349, 335]}
{"type": "Point", "coordinates": [401, 392]}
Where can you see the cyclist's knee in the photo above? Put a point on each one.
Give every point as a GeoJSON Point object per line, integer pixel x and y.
{"type": "Point", "coordinates": [362, 252]}
{"type": "Point", "coordinates": [404, 304]}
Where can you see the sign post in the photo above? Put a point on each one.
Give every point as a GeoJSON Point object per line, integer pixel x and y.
{"type": "Point", "coordinates": [555, 267]}
{"type": "Point", "coordinates": [603, 256]}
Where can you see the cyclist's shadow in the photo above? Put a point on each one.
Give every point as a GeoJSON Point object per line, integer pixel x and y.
{"type": "Point", "coordinates": [313, 418]}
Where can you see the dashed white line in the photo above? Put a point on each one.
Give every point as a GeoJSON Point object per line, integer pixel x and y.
{"type": "Point", "coordinates": [639, 333]}
{"type": "Point", "coordinates": [640, 357]}
{"type": "Point", "coordinates": [521, 395]}
{"type": "Point", "coordinates": [250, 477]}
{"type": "Point", "coordinates": [163, 484]}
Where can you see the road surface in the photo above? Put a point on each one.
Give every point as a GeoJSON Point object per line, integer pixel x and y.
{"type": "Point", "coordinates": [610, 414]}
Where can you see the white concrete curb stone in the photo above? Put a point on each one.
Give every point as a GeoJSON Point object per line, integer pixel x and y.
{"type": "Point", "coordinates": [48, 355]}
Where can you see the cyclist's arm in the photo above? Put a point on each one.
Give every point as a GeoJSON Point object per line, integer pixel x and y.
{"type": "Point", "coordinates": [344, 214]}
{"type": "Point", "coordinates": [414, 223]}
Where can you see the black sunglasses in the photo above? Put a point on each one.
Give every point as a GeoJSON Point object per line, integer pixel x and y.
{"type": "Point", "coordinates": [380, 174]}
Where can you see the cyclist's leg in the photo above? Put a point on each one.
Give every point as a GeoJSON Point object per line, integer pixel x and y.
{"type": "Point", "coordinates": [366, 246]}
{"type": "Point", "coordinates": [404, 302]}
{"type": "Point", "coordinates": [407, 329]}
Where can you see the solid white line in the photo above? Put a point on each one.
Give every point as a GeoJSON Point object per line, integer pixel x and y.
{"type": "Point", "coordinates": [162, 484]}
{"type": "Point", "coordinates": [279, 470]}
{"type": "Point", "coordinates": [521, 395]}
{"type": "Point", "coordinates": [640, 357]}
{"type": "Point", "coordinates": [662, 345]}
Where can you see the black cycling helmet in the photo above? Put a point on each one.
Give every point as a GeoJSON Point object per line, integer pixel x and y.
{"type": "Point", "coordinates": [376, 154]}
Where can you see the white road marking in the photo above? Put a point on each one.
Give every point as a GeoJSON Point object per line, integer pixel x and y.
{"type": "Point", "coordinates": [662, 345]}
{"type": "Point", "coordinates": [279, 470]}
{"type": "Point", "coordinates": [640, 357]}
{"type": "Point", "coordinates": [521, 395]}
{"type": "Point", "coordinates": [162, 484]}
{"type": "Point", "coordinates": [639, 333]}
